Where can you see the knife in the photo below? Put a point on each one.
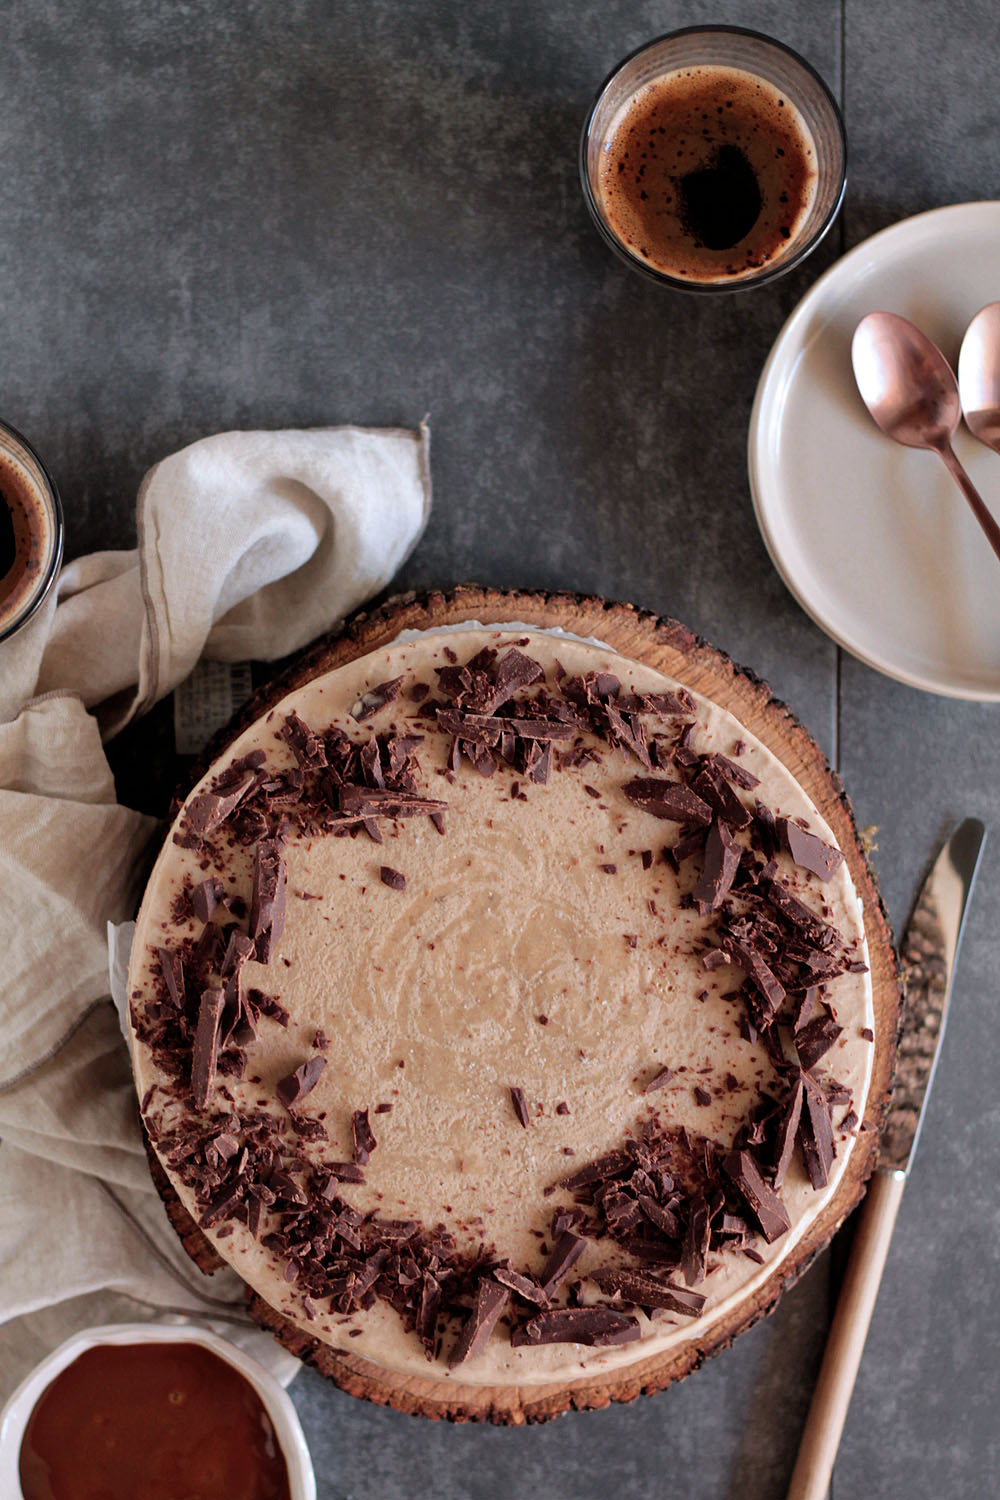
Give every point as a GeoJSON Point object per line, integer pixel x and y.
{"type": "Point", "coordinates": [928, 954]}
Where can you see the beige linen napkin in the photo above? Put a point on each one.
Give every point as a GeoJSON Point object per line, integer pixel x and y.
{"type": "Point", "coordinates": [250, 545]}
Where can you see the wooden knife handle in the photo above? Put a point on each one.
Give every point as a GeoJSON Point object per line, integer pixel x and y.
{"type": "Point", "coordinates": [846, 1340]}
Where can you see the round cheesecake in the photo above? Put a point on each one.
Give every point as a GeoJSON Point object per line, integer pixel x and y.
{"type": "Point", "coordinates": [501, 1011]}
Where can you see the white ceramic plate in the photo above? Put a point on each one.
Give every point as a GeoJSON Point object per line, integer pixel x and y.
{"type": "Point", "coordinates": [284, 1418]}
{"type": "Point", "coordinates": [875, 541]}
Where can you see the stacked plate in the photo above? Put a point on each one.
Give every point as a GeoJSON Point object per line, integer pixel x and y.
{"type": "Point", "coordinates": [875, 541]}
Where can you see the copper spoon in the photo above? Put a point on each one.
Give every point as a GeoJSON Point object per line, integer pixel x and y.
{"type": "Point", "coordinates": [907, 385]}
{"type": "Point", "coordinates": [979, 376]}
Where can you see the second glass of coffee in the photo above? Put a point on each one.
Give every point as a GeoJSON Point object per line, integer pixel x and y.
{"type": "Point", "coordinates": [714, 159]}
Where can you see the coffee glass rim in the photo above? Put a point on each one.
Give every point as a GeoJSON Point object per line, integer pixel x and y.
{"type": "Point", "coordinates": [766, 273]}
{"type": "Point", "coordinates": [52, 569]}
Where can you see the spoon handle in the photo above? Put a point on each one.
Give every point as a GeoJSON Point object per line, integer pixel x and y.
{"type": "Point", "coordinates": [973, 496]}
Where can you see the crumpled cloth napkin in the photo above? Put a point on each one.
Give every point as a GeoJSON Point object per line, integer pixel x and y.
{"type": "Point", "coordinates": [250, 545]}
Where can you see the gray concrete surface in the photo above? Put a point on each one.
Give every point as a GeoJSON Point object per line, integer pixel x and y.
{"type": "Point", "coordinates": [305, 213]}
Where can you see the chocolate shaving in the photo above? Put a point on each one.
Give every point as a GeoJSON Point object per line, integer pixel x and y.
{"type": "Point", "coordinates": [732, 772]}
{"type": "Point", "coordinates": [815, 1039]}
{"type": "Point", "coordinates": [816, 1134]}
{"type": "Point", "coordinates": [208, 810]}
{"type": "Point", "coordinates": [616, 1164]}
{"type": "Point", "coordinates": [267, 900]}
{"type": "Point", "coordinates": [719, 795]}
{"type": "Point", "coordinates": [427, 1311]}
{"type": "Point", "coordinates": [484, 729]}
{"type": "Point", "coordinates": [626, 733]}
{"type": "Point", "coordinates": [667, 799]}
{"type": "Point", "coordinates": [538, 729]}
{"type": "Point", "coordinates": [722, 860]}
{"type": "Point", "coordinates": [207, 897]}
{"type": "Point", "coordinates": [596, 1327]}
{"type": "Point", "coordinates": [394, 879]}
{"type": "Point", "coordinates": [269, 1005]}
{"type": "Point", "coordinates": [307, 747]}
{"type": "Point", "coordinates": [799, 915]}
{"type": "Point", "coordinates": [364, 1140]}
{"type": "Point", "coordinates": [766, 981]}
{"type": "Point", "coordinates": [811, 853]}
{"type": "Point", "coordinates": [520, 1104]}
{"type": "Point", "coordinates": [513, 671]}
{"type": "Point", "coordinates": [172, 969]}
{"type": "Point", "coordinates": [658, 1080]}
{"type": "Point", "coordinates": [648, 1293]}
{"type": "Point", "coordinates": [385, 802]}
{"type": "Point", "coordinates": [293, 1088]}
{"type": "Point", "coordinates": [694, 1252]}
{"type": "Point", "coordinates": [205, 1050]}
{"type": "Point", "coordinates": [787, 1131]}
{"type": "Point", "coordinates": [524, 1286]}
{"type": "Point", "coordinates": [491, 1299]}
{"type": "Point", "coordinates": [663, 1218]}
{"type": "Point", "coordinates": [345, 1171]}
{"type": "Point", "coordinates": [565, 1254]}
{"type": "Point", "coordinates": [377, 698]}
{"type": "Point", "coordinates": [765, 1205]}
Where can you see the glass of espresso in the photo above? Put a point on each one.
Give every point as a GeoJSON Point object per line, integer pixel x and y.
{"type": "Point", "coordinates": [31, 531]}
{"type": "Point", "coordinates": [714, 159]}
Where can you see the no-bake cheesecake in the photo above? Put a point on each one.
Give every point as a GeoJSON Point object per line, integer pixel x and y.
{"type": "Point", "coordinates": [501, 1010]}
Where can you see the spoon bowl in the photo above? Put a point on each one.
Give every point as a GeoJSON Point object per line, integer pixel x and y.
{"type": "Point", "coordinates": [979, 376]}
{"type": "Point", "coordinates": [905, 381]}
{"type": "Point", "coordinates": [908, 386]}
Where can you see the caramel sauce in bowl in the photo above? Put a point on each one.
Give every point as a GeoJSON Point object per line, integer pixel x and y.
{"type": "Point", "coordinates": [149, 1401]}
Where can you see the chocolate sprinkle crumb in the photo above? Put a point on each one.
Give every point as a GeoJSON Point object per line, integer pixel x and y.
{"type": "Point", "coordinates": [658, 1080]}
{"type": "Point", "coordinates": [520, 1104]}
{"type": "Point", "coordinates": [394, 879]}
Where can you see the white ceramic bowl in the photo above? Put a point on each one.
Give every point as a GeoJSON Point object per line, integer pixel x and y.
{"type": "Point", "coordinates": [15, 1415]}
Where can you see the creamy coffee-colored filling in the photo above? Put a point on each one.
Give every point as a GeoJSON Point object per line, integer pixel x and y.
{"type": "Point", "coordinates": [512, 958]}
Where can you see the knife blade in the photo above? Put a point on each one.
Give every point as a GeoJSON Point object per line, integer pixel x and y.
{"type": "Point", "coordinates": [928, 954]}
